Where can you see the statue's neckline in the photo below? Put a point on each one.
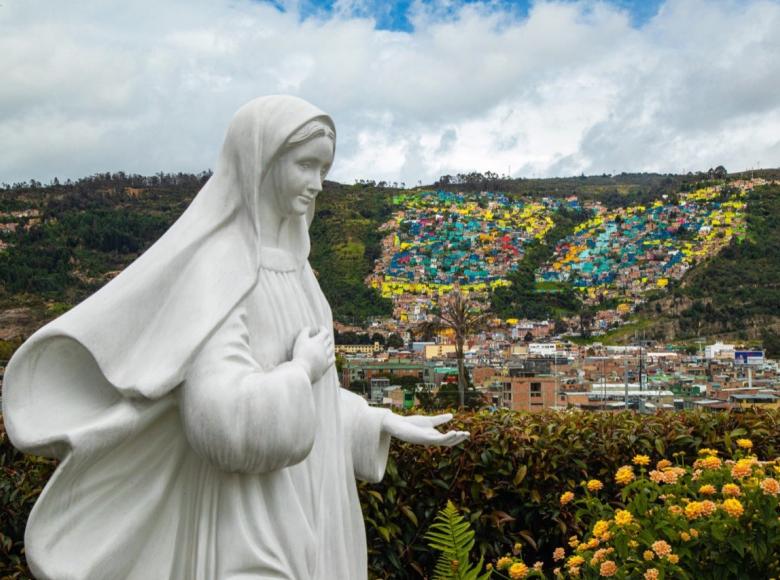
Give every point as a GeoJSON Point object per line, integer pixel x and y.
{"type": "Point", "coordinates": [278, 260]}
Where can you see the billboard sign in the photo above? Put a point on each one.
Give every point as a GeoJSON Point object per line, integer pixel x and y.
{"type": "Point", "coordinates": [748, 357]}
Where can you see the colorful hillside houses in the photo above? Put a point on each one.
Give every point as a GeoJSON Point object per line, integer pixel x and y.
{"type": "Point", "coordinates": [627, 252]}
{"type": "Point", "coordinates": [439, 239]}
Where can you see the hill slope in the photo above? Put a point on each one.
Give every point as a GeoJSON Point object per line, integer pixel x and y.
{"type": "Point", "coordinates": [61, 242]}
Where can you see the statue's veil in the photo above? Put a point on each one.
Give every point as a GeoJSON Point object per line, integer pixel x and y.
{"type": "Point", "coordinates": [135, 337]}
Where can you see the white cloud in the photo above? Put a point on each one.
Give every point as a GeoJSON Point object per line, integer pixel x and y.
{"type": "Point", "coordinates": [573, 87]}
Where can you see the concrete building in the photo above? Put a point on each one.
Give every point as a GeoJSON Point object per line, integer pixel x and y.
{"type": "Point", "coordinates": [352, 349]}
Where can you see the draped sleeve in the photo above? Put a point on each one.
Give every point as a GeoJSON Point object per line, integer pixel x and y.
{"type": "Point", "coordinates": [240, 416]}
{"type": "Point", "coordinates": [368, 443]}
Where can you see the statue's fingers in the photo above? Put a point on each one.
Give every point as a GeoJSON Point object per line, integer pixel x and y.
{"type": "Point", "coordinates": [450, 438]}
{"type": "Point", "coordinates": [418, 420]}
{"type": "Point", "coordinates": [439, 419]}
{"type": "Point", "coordinates": [455, 437]}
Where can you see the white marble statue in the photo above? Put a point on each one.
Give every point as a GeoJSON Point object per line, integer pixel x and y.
{"type": "Point", "coordinates": [193, 401]}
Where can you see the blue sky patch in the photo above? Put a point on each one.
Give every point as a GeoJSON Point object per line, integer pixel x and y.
{"type": "Point", "coordinates": [395, 15]}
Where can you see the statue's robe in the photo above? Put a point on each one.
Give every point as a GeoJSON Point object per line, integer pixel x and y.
{"type": "Point", "coordinates": [191, 447]}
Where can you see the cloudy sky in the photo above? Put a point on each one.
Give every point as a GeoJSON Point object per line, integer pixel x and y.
{"type": "Point", "coordinates": [417, 88]}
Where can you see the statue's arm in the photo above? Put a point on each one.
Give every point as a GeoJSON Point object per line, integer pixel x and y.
{"type": "Point", "coordinates": [369, 443]}
{"type": "Point", "coordinates": [240, 417]}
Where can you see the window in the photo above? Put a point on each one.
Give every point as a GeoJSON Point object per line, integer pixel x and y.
{"type": "Point", "coordinates": [536, 389]}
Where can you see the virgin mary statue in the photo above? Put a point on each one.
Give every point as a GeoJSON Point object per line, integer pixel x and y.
{"type": "Point", "coordinates": [193, 401]}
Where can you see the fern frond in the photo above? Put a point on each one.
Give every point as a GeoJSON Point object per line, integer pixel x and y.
{"type": "Point", "coordinates": [452, 535]}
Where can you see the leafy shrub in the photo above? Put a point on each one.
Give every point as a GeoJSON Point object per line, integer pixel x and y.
{"type": "Point", "coordinates": [508, 478]}
{"type": "Point", "coordinates": [709, 519]}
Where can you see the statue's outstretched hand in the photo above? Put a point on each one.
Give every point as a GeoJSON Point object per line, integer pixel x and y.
{"type": "Point", "coordinates": [420, 429]}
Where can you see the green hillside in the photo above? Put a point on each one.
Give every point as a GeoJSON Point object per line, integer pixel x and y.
{"type": "Point", "coordinates": [736, 293]}
{"type": "Point", "coordinates": [59, 243]}
{"type": "Point", "coordinates": [62, 241]}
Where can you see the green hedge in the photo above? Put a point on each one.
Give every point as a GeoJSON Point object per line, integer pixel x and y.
{"type": "Point", "coordinates": [506, 479]}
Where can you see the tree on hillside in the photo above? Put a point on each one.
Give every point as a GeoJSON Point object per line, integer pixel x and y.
{"type": "Point", "coordinates": [463, 317]}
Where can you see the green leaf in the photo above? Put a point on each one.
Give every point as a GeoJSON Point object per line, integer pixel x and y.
{"type": "Point", "coordinates": [409, 514]}
{"type": "Point", "coordinates": [384, 532]}
{"type": "Point", "coordinates": [520, 474]}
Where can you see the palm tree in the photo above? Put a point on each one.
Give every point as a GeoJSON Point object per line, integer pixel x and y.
{"type": "Point", "coordinates": [463, 317]}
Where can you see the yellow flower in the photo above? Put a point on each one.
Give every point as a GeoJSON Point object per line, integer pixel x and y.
{"type": "Point", "coordinates": [707, 451]}
{"type": "Point", "coordinates": [742, 468]}
{"type": "Point", "coordinates": [648, 555]}
{"type": "Point", "coordinates": [694, 510]}
{"type": "Point", "coordinates": [710, 462]}
{"type": "Point", "coordinates": [663, 464]}
{"type": "Point", "coordinates": [694, 532]}
{"type": "Point", "coordinates": [575, 561]}
{"type": "Point", "coordinates": [504, 563]}
{"type": "Point", "coordinates": [770, 486]}
{"type": "Point", "coordinates": [641, 460]}
{"type": "Point", "coordinates": [651, 574]}
{"type": "Point", "coordinates": [518, 547]}
{"type": "Point", "coordinates": [624, 475]}
{"type": "Point", "coordinates": [661, 548]}
{"type": "Point", "coordinates": [685, 536]}
{"type": "Point", "coordinates": [574, 542]}
{"type": "Point", "coordinates": [633, 544]}
{"type": "Point", "coordinates": [559, 554]}
{"type": "Point", "coordinates": [623, 517]}
{"type": "Point", "coordinates": [566, 497]}
{"type": "Point", "coordinates": [745, 443]}
{"type": "Point", "coordinates": [733, 507]}
{"type": "Point", "coordinates": [673, 558]}
{"type": "Point", "coordinates": [595, 485]}
{"type": "Point", "coordinates": [707, 489]}
{"type": "Point", "coordinates": [657, 476]}
{"type": "Point", "coordinates": [592, 543]}
{"type": "Point", "coordinates": [731, 489]}
{"type": "Point", "coordinates": [600, 527]}
{"type": "Point", "coordinates": [608, 568]}
{"type": "Point", "coordinates": [672, 474]}
{"type": "Point", "coordinates": [518, 570]}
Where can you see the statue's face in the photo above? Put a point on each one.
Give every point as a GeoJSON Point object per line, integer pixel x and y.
{"type": "Point", "coordinates": [300, 172]}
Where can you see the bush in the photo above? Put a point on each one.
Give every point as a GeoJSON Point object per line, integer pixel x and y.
{"type": "Point", "coordinates": [705, 519]}
{"type": "Point", "coordinates": [508, 478]}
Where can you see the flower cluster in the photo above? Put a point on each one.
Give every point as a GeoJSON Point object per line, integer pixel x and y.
{"type": "Point", "coordinates": [677, 519]}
